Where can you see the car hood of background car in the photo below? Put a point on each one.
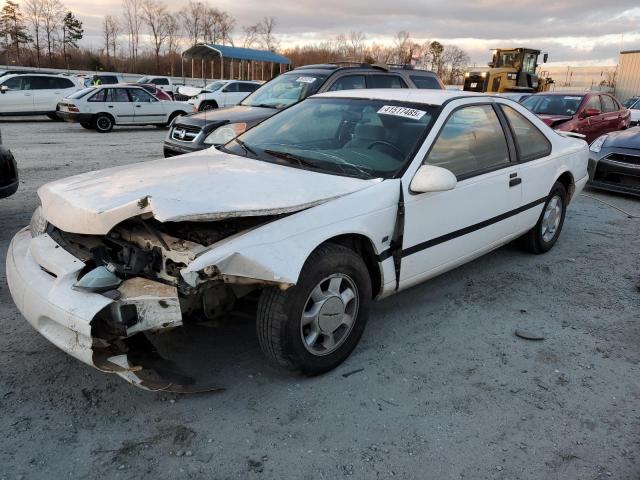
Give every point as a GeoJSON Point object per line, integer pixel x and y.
{"type": "Point", "coordinates": [629, 138]}
{"type": "Point", "coordinates": [238, 113]}
{"type": "Point", "coordinates": [203, 186]}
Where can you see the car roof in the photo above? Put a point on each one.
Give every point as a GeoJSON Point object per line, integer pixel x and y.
{"type": "Point", "coordinates": [430, 97]}
{"type": "Point", "coordinates": [57, 75]}
{"type": "Point", "coordinates": [569, 93]}
{"type": "Point", "coordinates": [337, 67]}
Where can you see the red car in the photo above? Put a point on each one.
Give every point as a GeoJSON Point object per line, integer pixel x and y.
{"type": "Point", "coordinates": [591, 114]}
{"type": "Point", "coordinates": [153, 90]}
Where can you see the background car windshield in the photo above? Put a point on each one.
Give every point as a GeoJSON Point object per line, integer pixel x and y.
{"type": "Point", "coordinates": [352, 137]}
{"type": "Point", "coordinates": [566, 105]}
{"type": "Point", "coordinates": [285, 90]}
{"type": "Point", "coordinates": [630, 101]}
{"type": "Point", "coordinates": [215, 86]}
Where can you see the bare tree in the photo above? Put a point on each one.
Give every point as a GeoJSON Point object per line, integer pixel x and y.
{"type": "Point", "coordinates": [251, 35]}
{"type": "Point", "coordinates": [192, 16]}
{"type": "Point", "coordinates": [35, 12]}
{"type": "Point", "coordinates": [110, 31]}
{"type": "Point", "coordinates": [173, 38]}
{"type": "Point", "coordinates": [356, 44]}
{"type": "Point", "coordinates": [52, 15]}
{"type": "Point", "coordinates": [266, 30]}
{"type": "Point", "coordinates": [154, 14]}
{"type": "Point", "coordinates": [455, 62]}
{"type": "Point", "coordinates": [132, 13]}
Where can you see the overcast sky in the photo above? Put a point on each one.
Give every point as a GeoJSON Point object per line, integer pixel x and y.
{"type": "Point", "coordinates": [576, 32]}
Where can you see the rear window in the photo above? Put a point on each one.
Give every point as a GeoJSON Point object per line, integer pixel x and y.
{"type": "Point", "coordinates": [425, 82]}
{"type": "Point", "coordinates": [82, 93]}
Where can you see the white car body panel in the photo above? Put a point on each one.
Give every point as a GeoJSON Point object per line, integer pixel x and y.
{"type": "Point", "coordinates": [199, 186]}
{"type": "Point", "coordinates": [128, 113]}
{"type": "Point", "coordinates": [222, 97]}
{"type": "Point", "coordinates": [441, 229]}
{"type": "Point", "coordinates": [635, 113]}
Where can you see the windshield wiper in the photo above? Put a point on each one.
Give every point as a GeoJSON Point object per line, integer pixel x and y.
{"type": "Point", "coordinates": [262, 105]}
{"type": "Point", "coordinates": [290, 156]}
{"type": "Point", "coordinates": [246, 147]}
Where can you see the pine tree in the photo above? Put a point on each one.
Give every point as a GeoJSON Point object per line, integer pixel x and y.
{"type": "Point", "coordinates": [12, 28]}
{"type": "Point", "coordinates": [72, 31]}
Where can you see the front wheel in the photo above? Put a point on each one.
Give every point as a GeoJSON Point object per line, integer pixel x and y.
{"type": "Point", "coordinates": [314, 326]}
{"type": "Point", "coordinates": [542, 237]}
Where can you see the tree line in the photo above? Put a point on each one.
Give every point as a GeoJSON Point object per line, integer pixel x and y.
{"type": "Point", "coordinates": [146, 36]}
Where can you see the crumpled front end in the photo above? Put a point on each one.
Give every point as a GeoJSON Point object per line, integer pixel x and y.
{"type": "Point", "coordinates": [99, 329]}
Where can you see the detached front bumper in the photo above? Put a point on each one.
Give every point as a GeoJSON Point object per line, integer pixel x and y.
{"type": "Point", "coordinates": [41, 275]}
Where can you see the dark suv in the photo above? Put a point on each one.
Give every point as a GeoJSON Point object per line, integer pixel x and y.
{"type": "Point", "coordinates": [216, 127]}
{"type": "Point", "coordinates": [8, 172]}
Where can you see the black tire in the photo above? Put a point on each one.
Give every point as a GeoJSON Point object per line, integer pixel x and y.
{"type": "Point", "coordinates": [279, 318]}
{"type": "Point", "coordinates": [86, 125]}
{"type": "Point", "coordinates": [103, 123]}
{"type": "Point", "coordinates": [207, 106]}
{"type": "Point", "coordinates": [533, 241]}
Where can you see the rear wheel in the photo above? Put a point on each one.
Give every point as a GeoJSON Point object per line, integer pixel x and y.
{"type": "Point", "coordinates": [103, 123]}
{"type": "Point", "coordinates": [314, 326]}
{"type": "Point", "coordinates": [542, 237]}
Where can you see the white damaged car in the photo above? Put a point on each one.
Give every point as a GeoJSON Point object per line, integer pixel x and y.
{"type": "Point", "coordinates": [344, 198]}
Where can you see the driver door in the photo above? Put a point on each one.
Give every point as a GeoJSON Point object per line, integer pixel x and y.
{"type": "Point", "coordinates": [445, 229]}
{"type": "Point", "coordinates": [146, 108]}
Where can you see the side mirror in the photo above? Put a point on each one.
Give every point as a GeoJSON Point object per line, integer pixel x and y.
{"type": "Point", "coordinates": [545, 57]}
{"type": "Point", "coordinates": [3, 89]}
{"type": "Point", "coordinates": [430, 178]}
{"type": "Point", "coordinates": [591, 112]}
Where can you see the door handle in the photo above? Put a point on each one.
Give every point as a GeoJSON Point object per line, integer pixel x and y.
{"type": "Point", "coordinates": [138, 106]}
{"type": "Point", "coordinates": [515, 181]}
{"type": "Point", "coordinates": [109, 106]}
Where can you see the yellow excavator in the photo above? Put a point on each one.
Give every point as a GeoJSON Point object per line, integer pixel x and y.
{"type": "Point", "coordinates": [511, 70]}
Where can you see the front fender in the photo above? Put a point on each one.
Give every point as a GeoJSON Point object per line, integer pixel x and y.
{"type": "Point", "coordinates": [277, 251]}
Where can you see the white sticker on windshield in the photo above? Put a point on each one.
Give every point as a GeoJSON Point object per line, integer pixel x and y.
{"type": "Point", "coordinates": [306, 79]}
{"type": "Point", "coordinates": [573, 98]}
{"type": "Point", "coordinates": [402, 112]}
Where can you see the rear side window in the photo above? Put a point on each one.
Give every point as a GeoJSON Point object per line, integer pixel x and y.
{"type": "Point", "coordinates": [594, 102]}
{"type": "Point", "coordinates": [82, 93]}
{"type": "Point", "coordinates": [349, 82]}
{"type": "Point", "coordinates": [117, 95]}
{"type": "Point", "coordinates": [531, 142]}
{"type": "Point", "coordinates": [100, 96]}
{"type": "Point", "coordinates": [232, 87]}
{"type": "Point", "coordinates": [62, 83]}
{"type": "Point", "coordinates": [386, 81]}
{"type": "Point", "coordinates": [108, 79]}
{"type": "Point", "coordinates": [425, 82]}
{"type": "Point", "coordinates": [140, 95]}
{"type": "Point", "coordinates": [608, 104]}
{"type": "Point", "coordinates": [248, 87]}
{"type": "Point", "coordinates": [470, 143]}
{"type": "Point", "coordinates": [160, 81]}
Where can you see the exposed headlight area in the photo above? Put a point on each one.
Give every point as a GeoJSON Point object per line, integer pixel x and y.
{"type": "Point", "coordinates": [225, 133]}
{"type": "Point", "coordinates": [39, 224]}
{"type": "Point", "coordinates": [596, 146]}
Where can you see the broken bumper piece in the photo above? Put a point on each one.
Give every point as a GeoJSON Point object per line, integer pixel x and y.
{"type": "Point", "coordinates": [41, 276]}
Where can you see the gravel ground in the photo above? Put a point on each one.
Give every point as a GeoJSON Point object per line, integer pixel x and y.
{"type": "Point", "coordinates": [439, 387]}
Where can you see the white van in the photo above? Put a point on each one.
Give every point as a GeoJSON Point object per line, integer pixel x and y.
{"type": "Point", "coordinates": [34, 94]}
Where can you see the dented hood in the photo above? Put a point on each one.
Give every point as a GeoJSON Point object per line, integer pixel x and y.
{"type": "Point", "coordinates": [204, 186]}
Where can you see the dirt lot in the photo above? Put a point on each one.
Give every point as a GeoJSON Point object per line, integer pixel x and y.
{"type": "Point", "coordinates": [439, 388]}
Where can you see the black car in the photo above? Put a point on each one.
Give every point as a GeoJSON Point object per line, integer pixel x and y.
{"type": "Point", "coordinates": [8, 172]}
{"type": "Point", "coordinates": [216, 127]}
{"type": "Point", "coordinates": [614, 162]}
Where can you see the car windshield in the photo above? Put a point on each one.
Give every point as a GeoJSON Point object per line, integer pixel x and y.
{"type": "Point", "coordinates": [630, 101]}
{"type": "Point", "coordinates": [285, 90]}
{"type": "Point", "coordinates": [215, 86]}
{"type": "Point", "coordinates": [350, 137]}
{"type": "Point", "coordinates": [566, 105]}
{"type": "Point", "coordinates": [82, 93]}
